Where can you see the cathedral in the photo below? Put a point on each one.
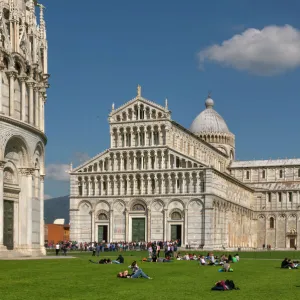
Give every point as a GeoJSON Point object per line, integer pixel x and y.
{"type": "Point", "coordinates": [23, 84]}
{"type": "Point", "coordinates": [159, 181]}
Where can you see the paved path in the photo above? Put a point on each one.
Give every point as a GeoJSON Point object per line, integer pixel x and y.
{"type": "Point", "coordinates": [36, 258]}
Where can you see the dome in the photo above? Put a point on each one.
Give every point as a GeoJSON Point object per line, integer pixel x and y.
{"type": "Point", "coordinates": [209, 120]}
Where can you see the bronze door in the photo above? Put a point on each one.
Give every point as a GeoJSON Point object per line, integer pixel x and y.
{"type": "Point", "coordinates": [138, 229]}
{"type": "Point", "coordinates": [8, 222]}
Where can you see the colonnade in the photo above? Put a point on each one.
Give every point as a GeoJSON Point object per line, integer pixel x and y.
{"type": "Point", "coordinates": [140, 160]}
{"type": "Point", "coordinates": [139, 112]}
{"type": "Point", "coordinates": [30, 91]}
{"type": "Point", "coordinates": [151, 135]}
{"type": "Point", "coordinates": [141, 184]}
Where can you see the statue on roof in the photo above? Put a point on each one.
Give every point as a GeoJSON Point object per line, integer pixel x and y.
{"type": "Point", "coordinates": [139, 91]}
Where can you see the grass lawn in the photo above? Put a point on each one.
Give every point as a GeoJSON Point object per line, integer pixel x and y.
{"type": "Point", "coordinates": [79, 279]}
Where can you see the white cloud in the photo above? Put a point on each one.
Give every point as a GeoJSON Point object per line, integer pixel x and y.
{"type": "Point", "coordinates": [269, 51]}
{"type": "Point", "coordinates": [81, 157]}
{"type": "Point", "coordinates": [58, 172]}
{"type": "Point", "coordinates": [47, 197]}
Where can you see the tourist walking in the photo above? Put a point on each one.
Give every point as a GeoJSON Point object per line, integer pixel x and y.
{"type": "Point", "coordinates": [57, 247]}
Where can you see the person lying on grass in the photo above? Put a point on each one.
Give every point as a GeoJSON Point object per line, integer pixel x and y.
{"type": "Point", "coordinates": [103, 261]}
{"type": "Point", "coordinates": [288, 264]}
{"type": "Point", "coordinates": [138, 274]}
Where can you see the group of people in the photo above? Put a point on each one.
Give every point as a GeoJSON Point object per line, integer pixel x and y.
{"type": "Point", "coordinates": [105, 261]}
{"type": "Point", "coordinates": [287, 263]}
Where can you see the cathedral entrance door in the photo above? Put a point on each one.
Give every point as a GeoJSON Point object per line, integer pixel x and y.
{"type": "Point", "coordinates": [292, 243]}
{"type": "Point", "coordinates": [102, 233]}
{"type": "Point", "coordinates": [175, 232]}
{"type": "Point", "coordinates": [138, 229]}
{"type": "Point", "coordinates": [8, 225]}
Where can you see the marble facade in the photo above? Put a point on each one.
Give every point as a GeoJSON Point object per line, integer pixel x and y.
{"type": "Point", "coordinates": [181, 183]}
{"type": "Point", "coordinates": [23, 83]}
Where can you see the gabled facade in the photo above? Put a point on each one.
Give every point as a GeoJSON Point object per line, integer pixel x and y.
{"type": "Point", "coordinates": [159, 181]}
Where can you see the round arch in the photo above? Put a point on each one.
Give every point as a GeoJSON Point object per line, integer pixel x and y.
{"type": "Point", "coordinates": [17, 145]}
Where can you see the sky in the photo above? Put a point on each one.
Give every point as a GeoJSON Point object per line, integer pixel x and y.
{"type": "Point", "coordinates": [245, 52]}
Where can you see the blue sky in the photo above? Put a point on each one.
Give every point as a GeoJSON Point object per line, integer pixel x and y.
{"type": "Point", "coordinates": [100, 50]}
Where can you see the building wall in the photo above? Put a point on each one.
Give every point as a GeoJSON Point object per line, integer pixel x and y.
{"type": "Point", "coordinates": [58, 233]}
{"type": "Point", "coordinates": [23, 73]}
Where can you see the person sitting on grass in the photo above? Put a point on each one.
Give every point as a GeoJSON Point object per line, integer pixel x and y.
{"type": "Point", "coordinates": [103, 261]}
{"type": "Point", "coordinates": [202, 261]}
{"type": "Point", "coordinates": [226, 266]}
{"type": "Point", "coordinates": [237, 257]}
{"type": "Point", "coordinates": [119, 260]}
{"type": "Point", "coordinates": [139, 273]}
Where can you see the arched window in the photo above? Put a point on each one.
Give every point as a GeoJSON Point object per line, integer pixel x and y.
{"type": "Point", "coordinates": [264, 174]}
{"type": "Point", "coordinates": [272, 223]}
{"type": "Point", "coordinates": [280, 174]}
{"type": "Point", "coordinates": [176, 215]}
{"type": "Point", "coordinates": [248, 175]}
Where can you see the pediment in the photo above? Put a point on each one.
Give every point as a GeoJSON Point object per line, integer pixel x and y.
{"type": "Point", "coordinates": [139, 108]}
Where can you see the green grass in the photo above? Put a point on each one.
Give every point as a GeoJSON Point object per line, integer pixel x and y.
{"type": "Point", "coordinates": [79, 279]}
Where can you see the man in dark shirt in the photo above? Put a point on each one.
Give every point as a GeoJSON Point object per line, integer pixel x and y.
{"type": "Point", "coordinates": [285, 263]}
{"type": "Point", "coordinates": [120, 259]}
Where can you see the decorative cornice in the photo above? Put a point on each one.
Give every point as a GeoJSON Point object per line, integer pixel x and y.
{"type": "Point", "coordinates": [26, 171]}
{"type": "Point", "coordinates": [25, 126]}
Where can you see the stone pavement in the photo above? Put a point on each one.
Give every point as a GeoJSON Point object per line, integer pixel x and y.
{"type": "Point", "coordinates": [36, 258]}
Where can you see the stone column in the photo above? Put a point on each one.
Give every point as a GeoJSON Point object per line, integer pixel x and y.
{"type": "Point", "coordinates": [2, 66]}
{"type": "Point", "coordinates": [121, 162]}
{"type": "Point", "coordinates": [148, 238]}
{"type": "Point", "coordinates": [30, 83]}
{"type": "Point", "coordinates": [156, 188]}
{"type": "Point", "coordinates": [29, 174]}
{"type": "Point", "coordinates": [134, 161]}
{"type": "Point", "coordinates": [142, 185]}
{"type": "Point", "coordinates": [101, 187]}
{"type": "Point", "coordinates": [155, 160]}
{"type": "Point", "coordinates": [93, 225]}
{"type": "Point", "coordinates": [142, 161]}
{"type": "Point", "coordinates": [41, 196]}
{"type": "Point", "coordinates": [2, 164]}
{"type": "Point", "coordinates": [11, 74]}
{"type": "Point", "coordinates": [149, 161]}
{"type": "Point", "coordinates": [165, 223]}
{"type": "Point", "coordinates": [132, 138]}
{"type": "Point", "coordinates": [186, 226]}
{"type": "Point", "coordinates": [161, 140]}
{"type": "Point", "coordinates": [138, 138]}
{"type": "Point", "coordinates": [170, 184]}
{"type": "Point", "coordinates": [111, 216]}
{"type": "Point", "coordinates": [134, 182]}
{"type": "Point", "coordinates": [126, 225]}
{"type": "Point", "coordinates": [90, 187]}
{"type": "Point", "coordinates": [36, 104]}
{"type": "Point", "coordinates": [122, 187]}
{"type": "Point", "coordinates": [209, 223]}
{"type": "Point", "coordinates": [42, 112]}
{"type": "Point", "coordinates": [184, 183]}
{"type": "Point", "coordinates": [111, 139]}
{"type": "Point", "coordinates": [152, 137]}
{"type": "Point", "coordinates": [128, 186]}
{"type": "Point", "coordinates": [23, 97]}
{"type": "Point", "coordinates": [149, 188]}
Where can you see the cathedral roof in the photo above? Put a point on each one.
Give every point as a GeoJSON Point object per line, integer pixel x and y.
{"type": "Point", "coordinates": [265, 163]}
{"type": "Point", "coordinates": [209, 121]}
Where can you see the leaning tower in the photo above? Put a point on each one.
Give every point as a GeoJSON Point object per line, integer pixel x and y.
{"type": "Point", "coordinates": [23, 83]}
